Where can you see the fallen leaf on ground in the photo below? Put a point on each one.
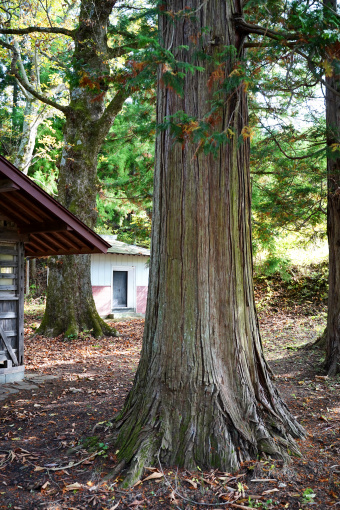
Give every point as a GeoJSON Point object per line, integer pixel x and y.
{"type": "Point", "coordinates": [136, 503]}
{"type": "Point", "coordinates": [153, 476]}
{"type": "Point", "coordinates": [114, 506]}
{"type": "Point", "coordinates": [192, 482]}
{"type": "Point", "coordinates": [172, 498]}
{"type": "Point", "coordinates": [73, 486]}
{"type": "Point", "coordinates": [270, 491]}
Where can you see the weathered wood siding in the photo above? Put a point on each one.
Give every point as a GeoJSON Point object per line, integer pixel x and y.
{"type": "Point", "coordinates": [11, 310]}
{"type": "Point", "coordinates": [102, 267]}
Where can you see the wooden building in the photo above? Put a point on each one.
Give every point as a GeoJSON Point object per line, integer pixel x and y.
{"type": "Point", "coordinates": [31, 224]}
{"type": "Point", "coordinates": [120, 279]}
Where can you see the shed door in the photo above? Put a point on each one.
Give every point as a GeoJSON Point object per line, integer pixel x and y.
{"type": "Point", "coordinates": [11, 303]}
{"type": "Point", "coordinates": [120, 289]}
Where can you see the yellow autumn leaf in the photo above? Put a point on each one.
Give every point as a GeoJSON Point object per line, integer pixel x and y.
{"type": "Point", "coordinates": [248, 132]}
{"type": "Point", "coordinates": [236, 72]}
{"type": "Point", "coordinates": [328, 68]}
{"type": "Point", "coordinates": [230, 133]}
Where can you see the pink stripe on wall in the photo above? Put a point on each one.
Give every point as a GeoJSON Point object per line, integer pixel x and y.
{"type": "Point", "coordinates": [102, 299]}
{"type": "Point", "coordinates": [142, 294]}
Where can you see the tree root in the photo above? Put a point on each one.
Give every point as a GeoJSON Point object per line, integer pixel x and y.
{"type": "Point", "coordinates": [334, 367]}
{"type": "Point", "coordinates": [319, 343]}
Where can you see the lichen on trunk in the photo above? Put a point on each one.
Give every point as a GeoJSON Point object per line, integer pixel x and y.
{"type": "Point", "coordinates": [203, 394]}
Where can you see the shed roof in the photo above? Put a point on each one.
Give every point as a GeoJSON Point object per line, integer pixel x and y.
{"type": "Point", "coordinates": [123, 248]}
{"type": "Point", "coordinates": [48, 227]}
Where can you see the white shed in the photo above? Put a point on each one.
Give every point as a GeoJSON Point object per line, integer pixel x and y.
{"type": "Point", "coordinates": [120, 278]}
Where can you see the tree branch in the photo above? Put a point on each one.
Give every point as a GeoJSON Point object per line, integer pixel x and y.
{"type": "Point", "coordinates": [248, 28]}
{"type": "Point", "coordinates": [277, 36]}
{"type": "Point", "coordinates": [54, 59]}
{"type": "Point", "coordinates": [319, 78]}
{"type": "Point", "coordinates": [119, 51]}
{"type": "Point", "coordinates": [6, 45]}
{"type": "Point", "coordinates": [19, 61]}
{"type": "Point", "coordinates": [114, 107]}
{"type": "Point", "coordinates": [43, 30]}
{"type": "Point", "coordinates": [24, 83]}
{"type": "Point", "coordinates": [294, 158]}
{"type": "Point", "coordinates": [264, 45]}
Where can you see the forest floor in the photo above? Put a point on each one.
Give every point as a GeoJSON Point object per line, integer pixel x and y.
{"type": "Point", "coordinates": [39, 469]}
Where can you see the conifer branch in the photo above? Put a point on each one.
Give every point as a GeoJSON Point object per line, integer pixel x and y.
{"type": "Point", "coordinates": [265, 45]}
{"type": "Point", "coordinates": [319, 78]}
{"type": "Point", "coordinates": [294, 158]}
{"type": "Point", "coordinates": [119, 51]}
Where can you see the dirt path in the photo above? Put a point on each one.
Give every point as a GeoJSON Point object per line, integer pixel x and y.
{"type": "Point", "coordinates": [38, 427]}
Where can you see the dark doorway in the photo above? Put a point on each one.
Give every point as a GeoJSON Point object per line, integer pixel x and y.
{"type": "Point", "coordinates": [119, 289]}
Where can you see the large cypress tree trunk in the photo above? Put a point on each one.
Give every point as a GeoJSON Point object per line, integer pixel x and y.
{"type": "Point", "coordinates": [203, 394]}
{"type": "Point", "coordinates": [332, 332]}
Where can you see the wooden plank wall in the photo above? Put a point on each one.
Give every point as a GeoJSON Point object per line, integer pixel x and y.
{"type": "Point", "coordinates": [11, 303]}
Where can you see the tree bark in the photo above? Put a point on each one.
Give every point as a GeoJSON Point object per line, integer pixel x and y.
{"type": "Point", "coordinates": [70, 306]}
{"type": "Point", "coordinates": [203, 393]}
{"type": "Point", "coordinates": [332, 332]}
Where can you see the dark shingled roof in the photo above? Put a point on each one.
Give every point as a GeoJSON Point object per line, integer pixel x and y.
{"type": "Point", "coordinates": [45, 226]}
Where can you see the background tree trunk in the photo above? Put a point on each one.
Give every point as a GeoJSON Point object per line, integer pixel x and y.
{"type": "Point", "coordinates": [203, 394]}
{"type": "Point", "coordinates": [333, 221]}
{"type": "Point", "coordinates": [70, 305]}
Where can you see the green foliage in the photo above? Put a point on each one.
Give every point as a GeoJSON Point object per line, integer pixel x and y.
{"type": "Point", "coordinates": [137, 232]}
{"type": "Point", "coordinates": [44, 169]}
{"type": "Point", "coordinates": [308, 496]}
{"type": "Point", "coordinates": [288, 194]}
{"type": "Point", "coordinates": [262, 504]}
{"type": "Point", "coordinates": [125, 172]}
{"type": "Point", "coordinates": [11, 115]}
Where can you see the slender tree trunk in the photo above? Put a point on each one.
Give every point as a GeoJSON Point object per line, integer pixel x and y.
{"type": "Point", "coordinates": [15, 120]}
{"type": "Point", "coordinates": [35, 114]}
{"type": "Point", "coordinates": [203, 394]}
{"type": "Point", "coordinates": [70, 306]}
{"type": "Point", "coordinates": [332, 332]}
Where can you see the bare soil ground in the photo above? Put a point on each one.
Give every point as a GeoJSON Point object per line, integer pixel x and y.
{"type": "Point", "coordinates": [51, 458]}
